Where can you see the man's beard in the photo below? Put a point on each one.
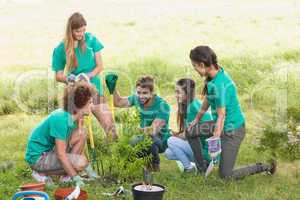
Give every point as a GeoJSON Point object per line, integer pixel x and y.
{"type": "Point", "coordinates": [146, 101]}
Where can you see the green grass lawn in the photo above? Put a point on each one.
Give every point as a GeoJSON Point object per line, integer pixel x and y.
{"type": "Point", "coordinates": [256, 41]}
{"type": "Point", "coordinates": [283, 185]}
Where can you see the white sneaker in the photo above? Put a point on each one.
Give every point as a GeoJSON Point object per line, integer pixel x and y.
{"type": "Point", "coordinates": [194, 166]}
{"type": "Point", "coordinates": [38, 177]}
{"type": "Point", "coordinates": [42, 178]}
{"type": "Point", "coordinates": [180, 166]}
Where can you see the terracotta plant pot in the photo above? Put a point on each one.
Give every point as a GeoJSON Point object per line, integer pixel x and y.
{"type": "Point", "coordinates": [140, 192]}
{"type": "Point", "coordinates": [34, 187]}
{"type": "Point", "coordinates": [62, 193]}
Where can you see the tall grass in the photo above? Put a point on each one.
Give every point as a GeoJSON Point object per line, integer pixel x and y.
{"type": "Point", "coordinates": [257, 80]}
{"type": "Point", "coordinates": [7, 105]}
{"type": "Point", "coordinates": [31, 96]}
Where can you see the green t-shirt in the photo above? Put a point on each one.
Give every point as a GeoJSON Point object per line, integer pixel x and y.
{"type": "Point", "coordinates": [86, 60]}
{"type": "Point", "coordinates": [58, 125]}
{"type": "Point", "coordinates": [159, 109]}
{"type": "Point", "coordinates": [222, 93]}
{"type": "Point", "coordinates": [193, 108]}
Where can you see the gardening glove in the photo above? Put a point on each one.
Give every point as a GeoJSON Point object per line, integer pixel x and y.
{"type": "Point", "coordinates": [78, 181]}
{"type": "Point", "coordinates": [71, 78]}
{"type": "Point", "coordinates": [90, 75]}
{"type": "Point", "coordinates": [111, 82]}
{"type": "Point", "coordinates": [82, 77]}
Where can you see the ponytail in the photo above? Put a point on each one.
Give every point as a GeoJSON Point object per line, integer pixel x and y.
{"type": "Point", "coordinates": [205, 55]}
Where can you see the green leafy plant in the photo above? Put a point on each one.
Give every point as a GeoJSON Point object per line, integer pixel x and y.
{"type": "Point", "coordinates": [294, 113]}
{"type": "Point", "coordinates": [281, 141]}
{"type": "Point", "coordinates": [119, 161]}
{"type": "Point", "coordinates": [292, 148]}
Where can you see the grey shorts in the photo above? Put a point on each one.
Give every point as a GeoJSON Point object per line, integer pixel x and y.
{"type": "Point", "coordinates": [49, 161]}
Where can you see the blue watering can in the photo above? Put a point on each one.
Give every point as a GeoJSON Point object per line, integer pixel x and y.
{"type": "Point", "coordinates": [42, 195]}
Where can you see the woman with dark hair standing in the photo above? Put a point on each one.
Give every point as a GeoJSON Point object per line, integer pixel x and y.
{"type": "Point", "coordinates": [220, 94]}
{"type": "Point", "coordinates": [80, 53]}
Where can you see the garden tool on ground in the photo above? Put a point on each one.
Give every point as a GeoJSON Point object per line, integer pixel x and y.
{"type": "Point", "coordinates": [121, 191]}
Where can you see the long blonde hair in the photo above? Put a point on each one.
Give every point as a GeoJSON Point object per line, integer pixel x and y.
{"type": "Point", "coordinates": [75, 21]}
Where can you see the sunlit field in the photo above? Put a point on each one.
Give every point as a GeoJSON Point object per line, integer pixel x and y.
{"type": "Point", "coordinates": [257, 42]}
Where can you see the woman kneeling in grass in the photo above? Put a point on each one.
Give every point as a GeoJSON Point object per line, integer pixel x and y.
{"type": "Point", "coordinates": [56, 145]}
{"type": "Point", "coordinates": [220, 94]}
{"type": "Point", "coordinates": [188, 106]}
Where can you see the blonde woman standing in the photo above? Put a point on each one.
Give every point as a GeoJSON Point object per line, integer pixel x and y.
{"type": "Point", "coordinates": [80, 52]}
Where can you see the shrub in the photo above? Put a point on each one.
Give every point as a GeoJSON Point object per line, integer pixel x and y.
{"type": "Point", "coordinates": [281, 141]}
{"type": "Point", "coordinates": [7, 105]}
{"type": "Point", "coordinates": [294, 113]}
{"type": "Point", "coordinates": [37, 97]}
{"type": "Point", "coordinates": [118, 161]}
{"type": "Point", "coordinates": [32, 96]}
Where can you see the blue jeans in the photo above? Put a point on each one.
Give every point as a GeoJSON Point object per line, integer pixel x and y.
{"type": "Point", "coordinates": [179, 149]}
